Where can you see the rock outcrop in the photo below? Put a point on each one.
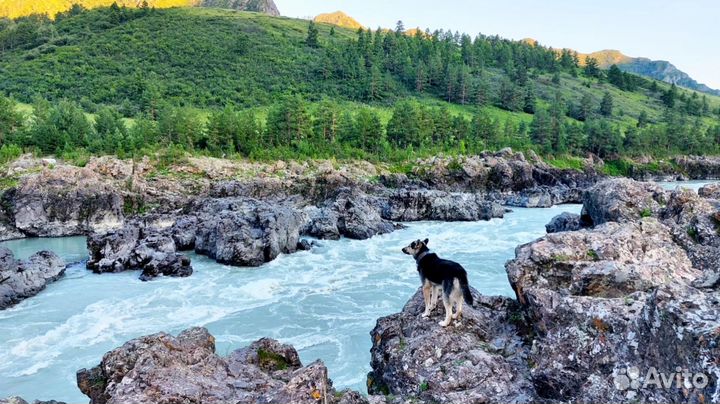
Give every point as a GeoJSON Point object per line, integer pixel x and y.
{"type": "Point", "coordinates": [695, 224]}
{"type": "Point", "coordinates": [412, 205]}
{"type": "Point", "coordinates": [710, 191]}
{"type": "Point", "coordinates": [64, 202]}
{"type": "Point", "coordinates": [622, 200]}
{"type": "Point", "coordinates": [481, 358]}
{"type": "Point", "coordinates": [20, 280]}
{"type": "Point", "coordinates": [163, 369]}
{"type": "Point", "coordinates": [137, 246]}
{"type": "Point", "coordinates": [245, 231]}
{"type": "Point", "coordinates": [565, 221]}
{"type": "Point", "coordinates": [350, 213]}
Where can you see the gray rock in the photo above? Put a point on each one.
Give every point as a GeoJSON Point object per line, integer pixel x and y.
{"type": "Point", "coordinates": [183, 232]}
{"type": "Point", "coordinates": [694, 222]}
{"type": "Point", "coordinates": [412, 205]}
{"type": "Point", "coordinates": [20, 280]}
{"type": "Point", "coordinates": [163, 369]}
{"type": "Point", "coordinates": [622, 200]}
{"type": "Point", "coordinates": [544, 197]}
{"type": "Point", "coordinates": [304, 245]}
{"type": "Point", "coordinates": [246, 231]}
{"type": "Point", "coordinates": [609, 299]}
{"type": "Point", "coordinates": [711, 191]}
{"type": "Point", "coordinates": [321, 223]}
{"type": "Point", "coordinates": [137, 247]}
{"type": "Point", "coordinates": [359, 215]}
{"type": "Point", "coordinates": [481, 358]}
{"type": "Point", "coordinates": [565, 221]}
{"type": "Point", "coordinates": [63, 203]}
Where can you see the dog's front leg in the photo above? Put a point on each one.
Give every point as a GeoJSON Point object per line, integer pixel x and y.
{"type": "Point", "coordinates": [434, 296]}
{"type": "Point", "coordinates": [427, 295]}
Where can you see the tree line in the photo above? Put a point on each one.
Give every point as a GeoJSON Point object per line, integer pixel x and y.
{"type": "Point", "coordinates": [295, 128]}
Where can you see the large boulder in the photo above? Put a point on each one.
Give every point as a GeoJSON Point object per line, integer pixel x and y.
{"type": "Point", "coordinates": [711, 191]}
{"type": "Point", "coordinates": [163, 369]}
{"type": "Point", "coordinates": [22, 279]}
{"type": "Point", "coordinates": [412, 205]}
{"type": "Point", "coordinates": [565, 221]}
{"type": "Point", "coordinates": [246, 231]}
{"type": "Point", "coordinates": [137, 246]}
{"type": "Point", "coordinates": [695, 224]}
{"type": "Point", "coordinates": [606, 306]}
{"type": "Point", "coordinates": [65, 201]}
{"type": "Point", "coordinates": [359, 215]}
{"type": "Point", "coordinates": [481, 358]}
{"type": "Point", "coordinates": [622, 200]}
{"type": "Point", "coordinates": [349, 212]}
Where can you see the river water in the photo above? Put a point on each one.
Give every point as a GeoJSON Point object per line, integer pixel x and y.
{"type": "Point", "coordinates": [324, 301]}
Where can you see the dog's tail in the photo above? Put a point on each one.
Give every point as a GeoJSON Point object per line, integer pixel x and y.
{"type": "Point", "coordinates": [465, 286]}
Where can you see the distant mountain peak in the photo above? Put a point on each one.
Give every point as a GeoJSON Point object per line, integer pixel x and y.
{"type": "Point", "coordinates": [340, 19]}
{"type": "Point", "coordinates": [657, 69]}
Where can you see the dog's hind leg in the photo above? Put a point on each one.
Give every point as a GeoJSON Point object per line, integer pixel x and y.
{"type": "Point", "coordinates": [458, 299]}
{"type": "Point", "coordinates": [446, 296]}
{"type": "Point", "coordinates": [427, 290]}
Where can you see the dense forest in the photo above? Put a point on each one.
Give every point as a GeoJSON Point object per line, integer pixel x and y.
{"type": "Point", "coordinates": [134, 81]}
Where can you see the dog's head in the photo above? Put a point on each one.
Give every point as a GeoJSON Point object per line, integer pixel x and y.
{"type": "Point", "coordinates": [416, 247]}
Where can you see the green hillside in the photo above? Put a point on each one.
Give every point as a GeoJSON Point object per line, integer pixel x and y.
{"type": "Point", "coordinates": [230, 82]}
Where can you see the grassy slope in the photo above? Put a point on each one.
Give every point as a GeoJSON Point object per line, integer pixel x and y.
{"type": "Point", "coordinates": [19, 8]}
{"type": "Point", "coordinates": [208, 58]}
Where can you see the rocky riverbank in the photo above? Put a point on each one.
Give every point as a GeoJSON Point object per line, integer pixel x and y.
{"type": "Point", "coordinates": [141, 216]}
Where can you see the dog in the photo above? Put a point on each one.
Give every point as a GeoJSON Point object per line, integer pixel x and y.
{"type": "Point", "coordinates": [440, 276]}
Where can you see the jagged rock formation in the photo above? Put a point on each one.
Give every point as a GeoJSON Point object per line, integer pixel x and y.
{"type": "Point", "coordinates": [163, 369]}
{"type": "Point", "coordinates": [22, 279]}
{"type": "Point", "coordinates": [137, 245]}
{"type": "Point", "coordinates": [481, 358]}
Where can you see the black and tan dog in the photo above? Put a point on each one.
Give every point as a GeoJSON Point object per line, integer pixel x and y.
{"type": "Point", "coordinates": [440, 276]}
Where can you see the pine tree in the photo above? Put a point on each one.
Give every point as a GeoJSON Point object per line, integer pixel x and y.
{"type": "Point", "coordinates": [369, 134]}
{"type": "Point", "coordinates": [584, 109]}
{"type": "Point", "coordinates": [529, 100]}
{"type": "Point", "coordinates": [312, 35]}
{"type": "Point", "coordinates": [616, 77]}
{"type": "Point", "coordinates": [668, 98]}
{"type": "Point", "coordinates": [289, 122]}
{"type": "Point", "coordinates": [222, 130]}
{"type": "Point", "coordinates": [10, 120]}
{"type": "Point", "coordinates": [591, 67]}
{"type": "Point", "coordinates": [606, 105]}
{"type": "Point", "coordinates": [540, 130]}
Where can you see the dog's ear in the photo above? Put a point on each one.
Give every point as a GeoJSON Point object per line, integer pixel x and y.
{"type": "Point", "coordinates": [426, 241]}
